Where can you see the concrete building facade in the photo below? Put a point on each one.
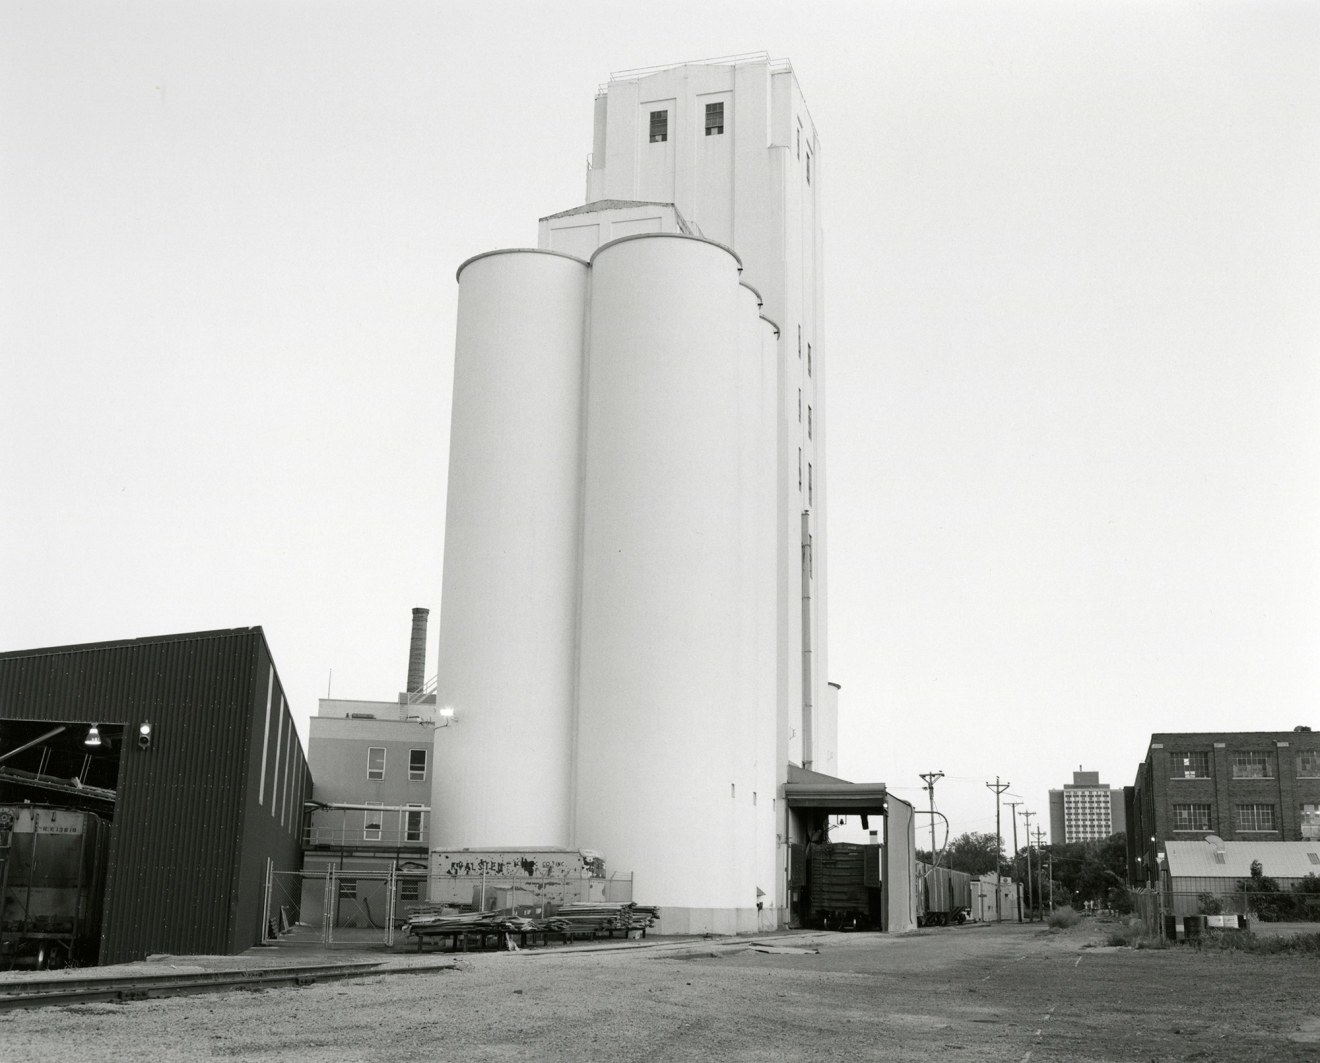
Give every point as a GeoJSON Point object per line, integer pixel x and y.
{"type": "Point", "coordinates": [633, 622]}
{"type": "Point", "coordinates": [1086, 810]}
{"type": "Point", "coordinates": [1258, 786]}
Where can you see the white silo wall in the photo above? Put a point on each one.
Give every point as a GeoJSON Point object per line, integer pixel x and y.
{"type": "Point", "coordinates": [508, 623]}
{"type": "Point", "coordinates": [670, 665]}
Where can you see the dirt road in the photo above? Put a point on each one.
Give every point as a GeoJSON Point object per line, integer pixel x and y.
{"type": "Point", "coordinates": [1018, 994]}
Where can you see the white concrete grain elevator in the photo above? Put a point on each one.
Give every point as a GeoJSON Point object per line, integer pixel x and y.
{"type": "Point", "coordinates": [633, 615]}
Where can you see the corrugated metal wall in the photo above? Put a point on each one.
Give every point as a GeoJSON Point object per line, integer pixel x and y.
{"type": "Point", "coordinates": [189, 846]}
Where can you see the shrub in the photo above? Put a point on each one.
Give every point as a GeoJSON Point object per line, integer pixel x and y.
{"type": "Point", "coordinates": [1246, 941]}
{"type": "Point", "coordinates": [1132, 934]}
{"type": "Point", "coordinates": [1063, 918]}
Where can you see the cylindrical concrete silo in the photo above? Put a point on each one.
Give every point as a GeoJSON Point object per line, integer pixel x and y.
{"type": "Point", "coordinates": [668, 631]}
{"type": "Point", "coordinates": [508, 622]}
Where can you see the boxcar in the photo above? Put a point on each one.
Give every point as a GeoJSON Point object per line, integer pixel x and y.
{"type": "Point", "coordinates": [943, 896]}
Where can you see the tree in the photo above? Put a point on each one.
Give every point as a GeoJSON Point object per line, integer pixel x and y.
{"type": "Point", "coordinates": [974, 852]}
{"type": "Point", "coordinates": [1091, 871]}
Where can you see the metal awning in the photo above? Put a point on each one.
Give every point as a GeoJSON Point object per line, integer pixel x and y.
{"type": "Point", "coordinates": [836, 797]}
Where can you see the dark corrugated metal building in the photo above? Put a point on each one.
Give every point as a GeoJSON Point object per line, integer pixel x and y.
{"type": "Point", "coordinates": [218, 792]}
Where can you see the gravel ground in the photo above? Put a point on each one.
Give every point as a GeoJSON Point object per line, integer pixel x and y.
{"type": "Point", "coordinates": [1012, 993]}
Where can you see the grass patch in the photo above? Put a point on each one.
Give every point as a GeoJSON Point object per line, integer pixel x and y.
{"type": "Point", "coordinates": [1063, 918]}
{"type": "Point", "coordinates": [1268, 945]}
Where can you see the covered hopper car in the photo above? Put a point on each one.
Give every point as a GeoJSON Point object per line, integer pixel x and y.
{"type": "Point", "coordinates": [52, 880]}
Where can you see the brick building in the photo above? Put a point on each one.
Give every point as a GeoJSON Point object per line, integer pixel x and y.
{"type": "Point", "coordinates": [1259, 786]}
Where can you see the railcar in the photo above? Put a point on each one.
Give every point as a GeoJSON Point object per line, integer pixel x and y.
{"type": "Point", "coordinates": [944, 896]}
{"type": "Point", "coordinates": [52, 884]}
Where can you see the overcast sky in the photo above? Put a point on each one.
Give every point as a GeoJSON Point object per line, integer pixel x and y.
{"type": "Point", "coordinates": [1072, 330]}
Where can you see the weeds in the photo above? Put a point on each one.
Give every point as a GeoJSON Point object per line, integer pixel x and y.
{"type": "Point", "coordinates": [1246, 941]}
{"type": "Point", "coordinates": [1132, 934]}
{"type": "Point", "coordinates": [1063, 918]}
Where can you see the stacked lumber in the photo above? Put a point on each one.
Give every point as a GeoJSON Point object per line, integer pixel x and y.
{"type": "Point", "coordinates": [594, 918]}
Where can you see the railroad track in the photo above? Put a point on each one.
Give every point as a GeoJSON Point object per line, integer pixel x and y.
{"type": "Point", "coordinates": [53, 992]}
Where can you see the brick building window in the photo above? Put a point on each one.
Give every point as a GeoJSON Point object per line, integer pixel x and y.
{"type": "Point", "coordinates": [412, 829]}
{"type": "Point", "coordinates": [1191, 817]}
{"type": "Point", "coordinates": [1190, 765]}
{"type": "Point", "coordinates": [1308, 763]}
{"type": "Point", "coordinates": [410, 889]}
{"type": "Point", "coordinates": [347, 889]}
{"type": "Point", "coordinates": [1310, 822]}
{"type": "Point", "coordinates": [1253, 818]}
{"type": "Point", "coordinates": [1253, 764]}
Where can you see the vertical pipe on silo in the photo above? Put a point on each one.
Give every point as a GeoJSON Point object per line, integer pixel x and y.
{"type": "Point", "coordinates": [508, 621]}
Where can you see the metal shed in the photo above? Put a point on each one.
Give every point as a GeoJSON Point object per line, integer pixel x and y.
{"type": "Point", "coordinates": [202, 803]}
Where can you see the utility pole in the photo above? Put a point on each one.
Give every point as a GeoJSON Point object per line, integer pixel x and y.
{"type": "Point", "coordinates": [998, 788]}
{"type": "Point", "coordinates": [1013, 816]}
{"type": "Point", "coordinates": [930, 778]}
{"type": "Point", "coordinates": [1030, 893]}
{"type": "Point", "coordinates": [1040, 866]}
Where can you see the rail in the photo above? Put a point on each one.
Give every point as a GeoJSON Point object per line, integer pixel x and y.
{"type": "Point", "coordinates": [53, 992]}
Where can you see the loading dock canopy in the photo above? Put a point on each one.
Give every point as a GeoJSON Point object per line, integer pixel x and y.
{"type": "Point", "coordinates": [835, 797]}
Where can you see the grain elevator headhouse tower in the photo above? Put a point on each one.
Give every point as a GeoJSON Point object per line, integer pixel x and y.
{"type": "Point", "coordinates": [633, 613]}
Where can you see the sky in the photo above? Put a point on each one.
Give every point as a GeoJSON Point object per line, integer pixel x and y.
{"type": "Point", "coordinates": [1072, 338]}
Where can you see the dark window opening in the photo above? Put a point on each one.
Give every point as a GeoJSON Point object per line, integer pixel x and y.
{"type": "Point", "coordinates": [714, 119]}
{"type": "Point", "coordinates": [659, 126]}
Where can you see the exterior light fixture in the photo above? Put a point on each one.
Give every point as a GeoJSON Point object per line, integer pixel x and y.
{"type": "Point", "coordinates": [144, 734]}
{"type": "Point", "coordinates": [447, 711]}
{"type": "Point", "coordinates": [93, 736]}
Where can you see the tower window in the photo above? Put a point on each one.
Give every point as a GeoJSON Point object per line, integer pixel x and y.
{"type": "Point", "coordinates": [799, 469]}
{"type": "Point", "coordinates": [714, 119]}
{"type": "Point", "coordinates": [808, 167]}
{"type": "Point", "coordinates": [811, 493]}
{"type": "Point", "coordinates": [808, 359]}
{"type": "Point", "coordinates": [659, 126]}
{"type": "Point", "coordinates": [799, 405]}
{"type": "Point", "coordinates": [809, 419]}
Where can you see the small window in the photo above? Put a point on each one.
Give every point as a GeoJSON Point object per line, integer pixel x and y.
{"type": "Point", "coordinates": [810, 486]}
{"type": "Point", "coordinates": [1253, 765]}
{"type": "Point", "coordinates": [1308, 764]}
{"type": "Point", "coordinates": [376, 762]}
{"type": "Point", "coordinates": [799, 470]}
{"type": "Point", "coordinates": [809, 419]}
{"type": "Point", "coordinates": [808, 359]}
{"type": "Point", "coordinates": [714, 119]}
{"type": "Point", "coordinates": [1311, 822]}
{"type": "Point", "coordinates": [410, 889]}
{"type": "Point", "coordinates": [371, 822]}
{"type": "Point", "coordinates": [1253, 817]}
{"type": "Point", "coordinates": [808, 167]}
{"type": "Point", "coordinates": [1313, 857]}
{"type": "Point", "coordinates": [659, 126]}
{"type": "Point", "coordinates": [799, 405]}
{"type": "Point", "coordinates": [799, 139]}
{"type": "Point", "coordinates": [348, 889]}
{"type": "Point", "coordinates": [413, 823]}
{"type": "Point", "coordinates": [417, 765]}
{"type": "Point", "coordinates": [1190, 765]}
{"type": "Point", "coordinates": [1191, 817]}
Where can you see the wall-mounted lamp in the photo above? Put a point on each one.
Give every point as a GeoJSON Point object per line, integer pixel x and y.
{"type": "Point", "coordinates": [447, 711]}
{"type": "Point", "coordinates": [93, 736]}
{"type": "Point", "coordinates": [144, 734]}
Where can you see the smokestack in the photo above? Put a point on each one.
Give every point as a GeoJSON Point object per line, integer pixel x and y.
{"type": "Point", "coordinates": [417, 652]}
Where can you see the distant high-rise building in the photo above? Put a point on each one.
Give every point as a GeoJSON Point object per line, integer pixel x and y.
{"type": "Point", "coordinates": [1085, 809]}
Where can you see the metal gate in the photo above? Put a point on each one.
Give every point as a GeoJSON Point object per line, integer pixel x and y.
{"type": "Point", "coordinates": [340, 908]}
